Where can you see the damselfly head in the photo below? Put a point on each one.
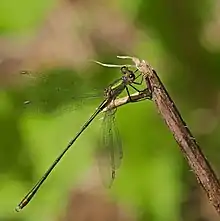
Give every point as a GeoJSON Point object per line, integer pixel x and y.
{"type": "Point", "coordinates": [128, 75]}
{"type": "Point", "coordinates": [131, 76]}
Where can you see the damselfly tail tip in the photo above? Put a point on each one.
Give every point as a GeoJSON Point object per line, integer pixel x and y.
{"type": "Point", "coordinates": [22, 204]}
{"type": "Point", "coordinates": [18, 209]}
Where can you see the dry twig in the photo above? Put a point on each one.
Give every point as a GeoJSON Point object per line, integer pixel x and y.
{"type": "Point", "coordinates": [187, 143]}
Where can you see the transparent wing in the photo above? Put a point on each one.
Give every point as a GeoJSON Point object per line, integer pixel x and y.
{"type": "Point", "coordinates": [55, 90]}
{"type": "Point", "coordinates": [110, 150]}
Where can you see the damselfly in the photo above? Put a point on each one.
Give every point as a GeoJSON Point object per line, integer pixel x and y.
{"type": "Point", "coordinates": [110, 137]}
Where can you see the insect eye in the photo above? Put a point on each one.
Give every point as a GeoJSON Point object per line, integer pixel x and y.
{"type": "Point", "coordinates": [132, 76]}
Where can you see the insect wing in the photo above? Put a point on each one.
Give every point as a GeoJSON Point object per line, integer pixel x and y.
{"type": "Point", "coordinates": [110, 150]}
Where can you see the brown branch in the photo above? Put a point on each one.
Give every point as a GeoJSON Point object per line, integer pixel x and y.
{"type": "Point", "coordinates": [187, 143]}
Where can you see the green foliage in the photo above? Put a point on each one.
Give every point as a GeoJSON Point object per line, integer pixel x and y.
{"type": "Point", "coordinates": [17, 16]}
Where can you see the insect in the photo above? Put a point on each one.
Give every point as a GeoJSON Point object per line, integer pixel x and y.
{"type": "Point", "coordinates": [110, 137]}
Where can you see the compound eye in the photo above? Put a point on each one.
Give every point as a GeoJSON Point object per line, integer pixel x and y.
{"type": "Point", "coordinates": [132, 76]}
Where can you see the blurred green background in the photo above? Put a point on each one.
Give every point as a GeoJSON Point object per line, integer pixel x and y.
{"type": "Point", "coordinates": [54, 41]}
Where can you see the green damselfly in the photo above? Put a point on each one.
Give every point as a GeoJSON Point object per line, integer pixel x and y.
{"type": "Point", "coordinates": [110, 137]}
